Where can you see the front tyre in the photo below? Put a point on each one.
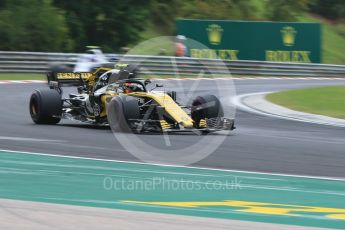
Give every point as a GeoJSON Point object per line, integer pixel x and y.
{"type": "Point", "coordinates": [206, 107]}
{"type": "Point", "coordinates": [45, 106]}
{"type": "Point", "coordinates": [121, 110]}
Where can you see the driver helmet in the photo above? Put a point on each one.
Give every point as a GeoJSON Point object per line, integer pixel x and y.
{"type": "Point", "coordinates": [131, 87]}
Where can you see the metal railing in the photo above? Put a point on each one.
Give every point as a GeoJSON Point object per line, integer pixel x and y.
{"type": "Point", "coordinates": [39, 62]}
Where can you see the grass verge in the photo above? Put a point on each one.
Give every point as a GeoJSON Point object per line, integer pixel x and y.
{"type": "Point", "coordinates": [328, 101]}
{"type": "Point", "coordinates": [332, 39]}
{"type": "Point", "coordinates": [22, 76]}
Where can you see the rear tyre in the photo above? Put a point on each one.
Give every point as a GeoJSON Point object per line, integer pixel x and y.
{"type": "Point", "coordinates": [207, 106]}
{"type": "Point", "coordinates": [121, 109]}
{"type": "Point", "coordinates": [45, 106]}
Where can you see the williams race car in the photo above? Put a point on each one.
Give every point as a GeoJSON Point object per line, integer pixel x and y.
{"type": "Point", "coordinates": [116, 97]}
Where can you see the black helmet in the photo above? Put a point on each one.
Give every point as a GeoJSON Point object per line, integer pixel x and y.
{"type": "Point", "coordinates": [131, 70]}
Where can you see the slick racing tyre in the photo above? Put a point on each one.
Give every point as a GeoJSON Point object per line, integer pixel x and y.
{"type": "Point", "coordinates": [45, 106]}
{"type": "Point", "coordinates": [120, 111]}
{"type": "Point", "coordinates": [207, 106]}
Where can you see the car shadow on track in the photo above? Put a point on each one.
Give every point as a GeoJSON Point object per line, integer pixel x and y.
{"type": "Point", "coordinates": [87, 126]}
{"type": "Point", "coordinates": [106, 127]}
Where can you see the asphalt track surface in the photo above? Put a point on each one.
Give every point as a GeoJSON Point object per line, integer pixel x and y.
{"type": "Point", "coordinates": [260, 143]}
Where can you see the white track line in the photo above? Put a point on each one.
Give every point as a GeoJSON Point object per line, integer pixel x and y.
{"type": "Point", "coordinates": [21, 81]}
{"type": "Point", "coordinates": [178, 166]}
{"type": "Point", "coordinates": [237, 101]}
{"type": "Point", "coordinates": [28, 139]}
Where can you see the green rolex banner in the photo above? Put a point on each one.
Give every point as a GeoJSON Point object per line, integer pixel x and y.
{"type": "Point", "coordinates": [249, 40]}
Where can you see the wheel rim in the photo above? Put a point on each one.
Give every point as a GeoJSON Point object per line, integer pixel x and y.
{"type": "Point", "coordinates": [33, 109]}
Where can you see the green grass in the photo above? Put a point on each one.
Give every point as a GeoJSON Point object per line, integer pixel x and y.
{"type": "Point", "coordinates": [163, 46]}
{"type": "Point", "coordinates": [260, 12]}
{"type": "Point", "coordinates": [332, 39]}
{"type": "Point", "coordinates": [22, 76]}
{"type": "Point", "coordinates": [200, 76]}
{"type": "Point", "coordinates": [329, 101]}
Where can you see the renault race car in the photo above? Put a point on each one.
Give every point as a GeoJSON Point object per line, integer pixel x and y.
{"type": "Point", "coordinates": [116, 97]}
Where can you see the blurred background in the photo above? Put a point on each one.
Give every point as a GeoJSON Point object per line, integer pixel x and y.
{"type": "Point", "coordinates": [69, 26]}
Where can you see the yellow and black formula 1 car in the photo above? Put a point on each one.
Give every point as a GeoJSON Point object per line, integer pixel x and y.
{"type": "Point", "coordinates": [116, 97]}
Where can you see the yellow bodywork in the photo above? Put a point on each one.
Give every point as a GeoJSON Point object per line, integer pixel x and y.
{"type": "Point", "coordinates": [163, 99]}
{"type": "Point", "coordinates": [105, 99]}
{"type": "Point", "coordinates": [169, 105]}
{"type": "Point", "coordinates": [202, 123]}
{"type": "Point", "coordinates": [164, 124]}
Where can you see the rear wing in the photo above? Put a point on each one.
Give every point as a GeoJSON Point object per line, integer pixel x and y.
{"type": "Point", "coordinates": [69, 78]}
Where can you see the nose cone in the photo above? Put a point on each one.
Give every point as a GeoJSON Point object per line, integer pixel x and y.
{"type": "Point", "coordinates": [187, 122]}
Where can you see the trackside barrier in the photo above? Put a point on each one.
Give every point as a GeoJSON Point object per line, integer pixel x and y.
{"type": "Point", "coordinates": [40, 62]}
